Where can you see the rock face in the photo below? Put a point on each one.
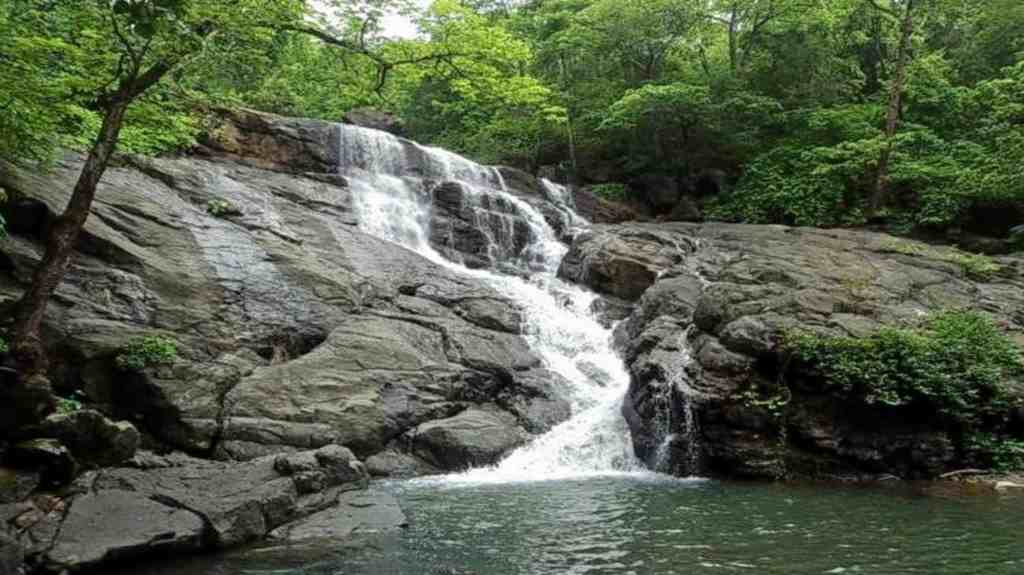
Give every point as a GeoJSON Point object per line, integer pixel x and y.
{"type": "Point", "coordinates": [376, 119]}
{"type": "Point", "coordinates": [712, 303]}
{"type": "Point", "coordinates": [294, 329]}
{"type": "Point", "coordinates": [181, 505]}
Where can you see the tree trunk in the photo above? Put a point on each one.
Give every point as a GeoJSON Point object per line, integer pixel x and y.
{"type": "Point", "coordinates": [892, 116]}
{"type": "Point", "coordinates": [733, 42]}
{"type": "Point", "coordinates": [31, 393]}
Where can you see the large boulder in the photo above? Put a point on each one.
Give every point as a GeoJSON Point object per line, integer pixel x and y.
{"type": "Point", "coordinates": [714, 303]}
{"type": "Point", "coordinates": [472, 438]}
{"type": "Point", "coordinates": [185, 505]}
{"type": "Point", "coordinates": [357, 512]}
{"type": "Point", "coordinates": [93, 440]}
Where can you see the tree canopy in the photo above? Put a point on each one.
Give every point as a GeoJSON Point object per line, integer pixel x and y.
{"type": "Point", "coordinates": [902, 112]}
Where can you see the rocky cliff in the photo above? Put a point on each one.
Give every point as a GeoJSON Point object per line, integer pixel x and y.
{"type": "Point", "coordinates": [295, 332]}
{"type": "Point", "coordinates": [312, 355]}
{"type": "Point", "coordinates": [709, 308]}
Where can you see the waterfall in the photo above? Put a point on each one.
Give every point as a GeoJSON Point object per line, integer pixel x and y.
{"type": "Point", "coordinates": [391, 180]}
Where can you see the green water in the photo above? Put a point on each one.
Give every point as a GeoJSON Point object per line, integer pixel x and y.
{"type": "Point", "coordinates": [659, 526]}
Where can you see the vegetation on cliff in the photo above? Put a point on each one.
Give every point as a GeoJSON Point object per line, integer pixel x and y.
{"type": "Point", "coordinates": [958, 364]}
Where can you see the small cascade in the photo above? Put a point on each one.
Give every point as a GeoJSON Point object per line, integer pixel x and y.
{"type": "Point", "coordinates": [398, 198]}
{"type": "Point", "coordinates": [674, 426]}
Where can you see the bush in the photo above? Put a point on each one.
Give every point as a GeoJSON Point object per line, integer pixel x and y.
{"type": "Point", "coordinates": [222, 209]}
{"type": "Point", "coordinates": [68, 405]}
{"type": "Point", "coordinates": [3, 346]}
{"type": "Point", "coordinates": [999, 453]}
{"type": "Point", "coordinates": [611, 192]}
{"type": "Point", "coordinates": [957, 363]}
{"type": "Point", "coordinates": [147, 352]}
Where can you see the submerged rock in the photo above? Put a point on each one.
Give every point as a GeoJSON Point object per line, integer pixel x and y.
{"type": "Point", "coordinates": [359, 512]}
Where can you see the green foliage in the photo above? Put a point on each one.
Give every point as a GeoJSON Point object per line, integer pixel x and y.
{"type": "Point", "coordinates": [147, 352]}
{"type": "Point", "coordinates": [958, 363]}
{"type": "Point", "coordinates": [67, 405]}
{"type": "Point", "coordinates": [786, 97]}
{"type": "Point", "coordinates": [611, 192]}
{"type": "Point", "coordinates": [975, 266]}
{"type": "Point", "coordinates": [999, 453]}
{"type": "Point", "coordinates": [3, 346]}
{"type": "Point", "coordinates": [221, 209]}
{"type": "Point", "coordinates": [63, 59]}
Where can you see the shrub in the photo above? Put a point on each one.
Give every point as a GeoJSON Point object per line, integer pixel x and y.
{"type": "Point", "coordinates": [147, 352]}
{"type": "Point", "coordinates": [67, 405]}
{"type": "Point", "coordinates": [3, 346]}
{"type": "Point", "coordinates": [222, 209]}
{"type": "Point", "coordinates": [975, 266]}
{"type": "Point", "coordinates": [957, 363]}
{"type": "Point", "coordinates": [999, 453]}
{"type": "Point", "coordinates": [611, 192]}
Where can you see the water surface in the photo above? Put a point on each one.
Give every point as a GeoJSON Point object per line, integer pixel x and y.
{"type": "Point", "coordinates": [634, 524]}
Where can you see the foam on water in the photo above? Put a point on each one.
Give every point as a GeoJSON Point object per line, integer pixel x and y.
{"type": "Point", "coordinates": [560, 328]}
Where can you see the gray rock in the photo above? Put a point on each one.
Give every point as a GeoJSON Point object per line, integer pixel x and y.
{"type": "Point", "coordinates": [12, 556]}
{"type": "Point", "coordinates": [375, 119]}
{"type": "Point", "coordinates": [117, 524]}
{"type": "Point", "coordinates": [266, 305]}
{"type": "Point", "coordinates": [243, 502]}
{"type": "Point", "coordinates": [54, 462]}
{"type": "Point", "coordinates": [17, 484]}
{"type": "Point", "coordinates": [358, 512]}
{"type": "Point", "coordinates": [396, 464]}
{"type": "Point", "coordinates": [625, 263]}
{"type": "Point", "coordinates": [470, 439]}
{"type": "Point", "coordinates": [714, 302]}
{"type": "Point", "coordinates": [93, 439]}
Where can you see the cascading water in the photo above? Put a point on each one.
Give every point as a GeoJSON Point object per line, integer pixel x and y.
{"type": "Point", "coordinates": [387, 176]}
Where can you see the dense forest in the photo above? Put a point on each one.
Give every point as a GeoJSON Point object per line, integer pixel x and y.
{"type": "Point", "coordinates": [806, 112]}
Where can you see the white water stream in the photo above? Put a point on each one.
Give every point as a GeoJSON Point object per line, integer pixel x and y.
{"type": "Point", "coordinates": [387, 176]}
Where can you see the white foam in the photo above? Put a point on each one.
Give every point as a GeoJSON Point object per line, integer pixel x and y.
{"type": "Point", "coordinates": [560, 328]}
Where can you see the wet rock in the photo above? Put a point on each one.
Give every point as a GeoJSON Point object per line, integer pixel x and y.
{"type": "Point", "coordinates": [11, 554]}
{"type": "Point", "coordinates": [623, 264]}
{"type": "Point", "coordinates": [55, 463]}
{"type": "Point", "coordinates": [601, 211]}
{"type": "Point", "coordinates": [263, 306]}
{"type": "Point", "coordinates": [273, 142]}
{"type": "Point", "coordinates": [481, 228]}
{"type": "Point", "coordinates": [715, 301]}
{"type": "Point", "coordinates": [359, 512]}
{"type": "Point", "coordinates": [396, 464]}
{"type": "Point", "coordinates": [375, 119]}
{"type": "Point", "coordinates": [243, 502]}
{"type": "Point", "coordinates": [117, 525]}
{"type": "Point", "coordinates": [93, 439]}
{"type": "Point", "coordinates": [472, 438]}
{"type": "Point", "coordinates": [17, 484]}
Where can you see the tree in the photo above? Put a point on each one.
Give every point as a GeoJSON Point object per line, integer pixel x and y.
{"type": "Point", "coordinates": [114, 51]}
{"type": "Point", "coordinates": [903, 11]}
